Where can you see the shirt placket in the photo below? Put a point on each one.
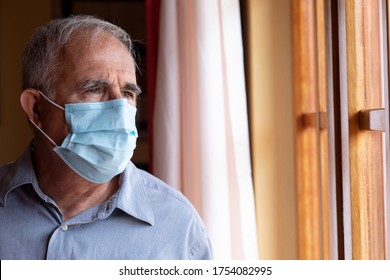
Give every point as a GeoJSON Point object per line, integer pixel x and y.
{"type": "Point", "coordinates": [62, 241]}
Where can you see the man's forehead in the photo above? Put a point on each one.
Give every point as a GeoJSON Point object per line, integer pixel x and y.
{"type": "Point", "coordinates": [85, 42]}
{"type": "Point", "coordinates": [104, 53]}
{"type": "Point", "coordinates": [88, 35]}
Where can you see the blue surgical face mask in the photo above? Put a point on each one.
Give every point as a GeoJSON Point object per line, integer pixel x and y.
{"type": "Point", "coordinates": [101, 139]}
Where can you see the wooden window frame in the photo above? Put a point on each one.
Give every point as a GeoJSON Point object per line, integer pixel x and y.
{"type": "Point", "coordinates": [342, 188]}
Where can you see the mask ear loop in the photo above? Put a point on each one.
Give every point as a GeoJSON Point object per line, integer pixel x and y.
{"type": "Point", "coordinates": [37, 127]}
{"type": "Point", "coordinates": [47, 136]}
{"type": "Point", "coordinates": [51, 101]}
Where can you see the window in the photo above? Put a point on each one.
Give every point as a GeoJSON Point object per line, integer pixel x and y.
{"type": "Point", "coordinates": [342, 128]}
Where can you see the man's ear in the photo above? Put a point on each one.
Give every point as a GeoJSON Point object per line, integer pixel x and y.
{"type": "Point", "coordinates": [29, 100]}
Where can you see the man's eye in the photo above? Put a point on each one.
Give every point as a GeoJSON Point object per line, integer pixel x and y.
{"type": "Point", "coordinates": [94, 91]}
{"type": "Point", "coordinates": [129, 94]}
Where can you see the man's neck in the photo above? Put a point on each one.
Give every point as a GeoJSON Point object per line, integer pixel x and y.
{"type": "Point", "coordinates": [72, 193]}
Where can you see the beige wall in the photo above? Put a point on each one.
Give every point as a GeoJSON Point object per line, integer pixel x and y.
{"type": "Point", "coordinates": [271, 106]}
{"type": "Point", "coordinates": [18, 19]}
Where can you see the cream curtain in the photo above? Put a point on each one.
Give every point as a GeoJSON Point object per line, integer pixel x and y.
{"type": "Point", "coordinates": [201, 139]}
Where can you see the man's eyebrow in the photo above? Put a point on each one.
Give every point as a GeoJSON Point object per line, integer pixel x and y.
{"type": "Point", "coordinates": [133, 88]}
{"type": "Point", "coordinates": [88, 84]}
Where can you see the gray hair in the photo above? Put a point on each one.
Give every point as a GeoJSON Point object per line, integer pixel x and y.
{"type": "Point", "coordinates": [41, 61]}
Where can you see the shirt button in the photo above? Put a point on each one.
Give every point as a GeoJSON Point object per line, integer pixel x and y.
{"type": "Point", "coordinates": [64, 227]}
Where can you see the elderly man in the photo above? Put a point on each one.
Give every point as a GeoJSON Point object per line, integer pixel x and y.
{"type": "Point", "coordinates": [74, 194]}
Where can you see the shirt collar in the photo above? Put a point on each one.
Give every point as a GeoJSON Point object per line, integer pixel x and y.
{"type": "Point", "coordinates": [132, 197]}
{"type": "Point", "coordinates": [17, 174]}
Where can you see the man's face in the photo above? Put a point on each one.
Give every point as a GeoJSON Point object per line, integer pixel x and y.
{"type": "Point", "coordinates": [92, 72]}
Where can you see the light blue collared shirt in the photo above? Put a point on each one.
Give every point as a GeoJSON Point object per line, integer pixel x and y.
{"type": "Point", "coordinates": [145, 219]}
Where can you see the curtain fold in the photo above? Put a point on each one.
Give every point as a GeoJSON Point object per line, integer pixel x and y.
{"type": "Point", "coordinates": [152, 8]}
{"type": "Point", "coordinates": [200, 121]}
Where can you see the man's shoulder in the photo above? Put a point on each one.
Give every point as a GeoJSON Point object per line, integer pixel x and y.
{"type": "Point", "coordinates": [18, 171]}
{"type": "Point", "coordinates": [174, 213]}
{"type": "Point", "coordinates": [6, 172]}
{"type": "Point", "coordinates": [5, 168]}
{"type": "Point", "coordinates": [164, 197]}
{"type": "Point", "coordinates": [156, 186]}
